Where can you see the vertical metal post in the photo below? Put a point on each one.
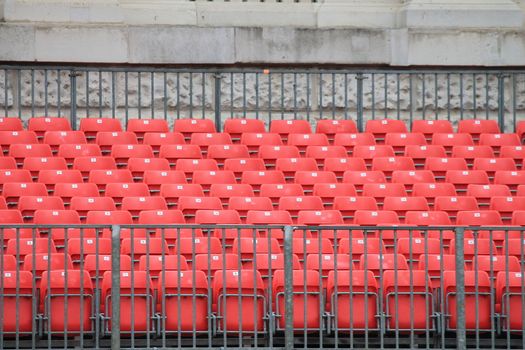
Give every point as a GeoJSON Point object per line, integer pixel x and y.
{"type": "Point", "coordinates": [460, 289]}
{"type": "Point", "coordinates": [217, 98]}
{"type": "Point", "coordinates": [288, 287]}
{"type": "Point", "coordinates": [501, 102]}
{"type": "Point", "coordinates": [73, 103]}
{"type": "Point", "coordinates": [359, 102]}
{"type": "Point", "coordinates": [115, 287]}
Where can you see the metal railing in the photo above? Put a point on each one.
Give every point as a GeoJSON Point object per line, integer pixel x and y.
{"type": "Point", "coordinates": [218, 286]}
{"type": "Point", "coordinates": [267, 94]}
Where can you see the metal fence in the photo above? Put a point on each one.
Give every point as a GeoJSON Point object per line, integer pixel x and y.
{"type": "Point", "coordinates": [267, 94]}
{"type": "Point", "coordinates": [231, 286]}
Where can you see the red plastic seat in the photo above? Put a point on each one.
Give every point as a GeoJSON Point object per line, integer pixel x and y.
{"type": "Point", "coordinates": [222, 152]}
{"type": "Point", "coordinates": [268, 217]}
{"type": "Point", "coordinates": [136, 294]}
{"type": "Point", "coordinates": [190, 126]}
{"type": "Point", "coordinates": [469, 153]}
{"type": "Point", "coordinates": [390, 164]}
{"type": "Point", "coordinates": [189, 247]}
{"type": "Point", "coordinates": [206, 178]}
{"type": "Point", "coordinates": [210, 263]}
{"type": "Point", "coordinates": [84, 204]}
{"type": "Point", "coordinates": [142, 126]}
{"type": "Point", "coordinates": [82, 247]}
{"type": "Point", "coordinates": [477, 300]}
{"type": "Point", "coordinates": [274, 191]}
{"type": "Point", "coordinates": [254, 140]}
{"type": "Point", "coordinates": [356, 291]}
{"type": "Point", "coordinates": [375, 217]}
{"type": "Point", "coordinates": [106, 139]}
{"type": "Point", "coordinates": [378, 263]}
{"type": "Point", "coordinates": [156, 178]}
{"type": "Point", "coordinates": [219, 217]}
{"type": "Point", "coordinates": [20, 151]}
{"type": "Point", "coordinates": [172, 192]}
{"type": "Point", "coordinates": [166, 217]}
{"type": "Point", "coordinates": [412, 248]}
{"type": "Point", "coordinates": [244, 204]}
{"type": "Point", "coordinates": [509, 293]}
{"type": "Point", "coordinates": [122, 152]}
{"type": "Point", "coordinates": [506, 206]}
{"type": "Point", "coordinates": [239, 165]}
{"type": "Point", "coordinates": [189, 166]}
{"type": "Point", "coordinates": [419, 154]}
{"type": "Point", "coordinates": [258, 178]}
{"type": "Point", "coordinates": [296, 203]}
{"type": "Point", "coordinates": [324, 263]}
{"type": "Point", "coordinates": [175, 152]}
{"type": "Point", "coordinates": [331, 127]}
{"type": "Point", "coordinates": [42, 124]}
{"type": "Point", "coordinates": [35, 164]}
{"type": "Point", "coordinates": [515, 152]}
{"type": "Point", "coordinates": [38, 263]}
{"type": "Point", "coordinates": [72, 151]}
{"type": "Point", "coordinates": [381, 127]}
{"type": "Point", "coordinates": [452, 204]}
{"type": "Point", "coordinates": [400, 140]}
{"type": "Point", "coordinates": [57, 138]}
{"type": "Point", "coordinates": [348, 205]}
{"type": "Point", "coordinates": [109, 217]}
{"type": "Point", "coordinates": [227, 191]}
{"type": "Point", "coordinates": [204, 140]}
{"type": "Point", "coordinates": [98, 264]}
{"type": "Point", "coordinates": [102, 177]}
{"type": "Point", "coordinates": [496, 263]}
{"type": "Point", "coordinates": [237, 127]}
{"type": "Point", "coordinates": [228, 287]}
{"type": "Point", "coordinates": [350, 140]}
{"type": "Point", "coordinates": [440, 166]}
{"type": "Point", "coordinates": [409, 300]}
{"type": "Point", "coordinates": [28, 204]}
{"type": "Point", "coordinates": [183, 301]}
{"type": "Point", "coordinates": [462, 178]}
{"type": "Point", "coordinates": [432, 190]}
{"type": "Point", "coordinates": [430, 127]}
{"type": "Point", "coordinates": [403, 204]}
{"type": "Point", "coordinates": [475, 247]}
{"type": "Point", "coordinates": [7, 163]}
{"type": "Point", "coordinates": [307, 300]}
{"type": "Point", "coordinates": [156, 265]}
{"type": "Point", "coordinates": [11, 124]}
{"type": "Point", "coordinates": [308, 179]}
{"type": "Point", "coordinates": [158, 139]}
{"type": "Point", "coordinates": [510, 178]}
{"type": "Point", "coordinates": [46, 217]}
{"type": "Point", "coordinates": [289, 166]}
{"type": "Point", "coordinates": [361, 178]}
{"type": "Point", "coordinates": [52, 177]}
{"type": "Point", "coordinates": [475, 127]}
{"type": "Point", "coordinates": [17, 299]}
{"type": "Point", "coordinates": [7, 138]}
{"type": "Point", "coordinates": [12, 191]}
{"type": "Point", "coordinates": [91, 126]}
{"type": "Point", "coordinates": [270, 153]}
{"type": "Point", "coordinates": [435, 265]}
{"type": "Point", "coordinates": [382, 190]}
{"type": "Point", "coordinates": [328, 191]}
{"type": "Point", "coordinates": [339, 165]}
{"type": "Point", "coordinates": [478, 218]}
{"type": "Point", "coordinates": [248, 247]}
{"type": "Point", "coordinates": [410, 177]}
{"type": "Point", "coordinates": [9, 263]}
{"type": "Point", "coordinates": [291, 126]}
{"type": "Point", "coordinates": [20, 247]}
{"type": "Point", "coordinates": [138, 166]}
{"type": "Point", "coordinates": [368, 153]}
{"type": "Point", "coordinates": [496, 141]}
{"type": "Point", "coordinates": [483, 193]}
{"type": "Point", "coordinates": [190, 205]}
{"type": "Point", "coordinates": [304, 246]}
{"type": "Point", "coordinates": [427, 218]}
{"type": "Point", "coordinates": [450, 140]}
{"type": "Point", "coordinates": [359, 246]}
{"type": "Point", "coordinates": [87, 164]}
{"type": "Point", "coordinates": [302, 141]}
{"type": "Point", "coordinates": [136, 204]}
{"type": "Point", "coordinates": [319, 217]}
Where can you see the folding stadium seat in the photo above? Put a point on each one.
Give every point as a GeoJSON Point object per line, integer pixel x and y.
{"type": "Point", "coordinates": [20, 247]}
{"type": "Point", "coordinates": [427, 218]}
{"type": "Point", "coordinates": [239, 293]}
{"type": "Point", "coordinates": [274, 191]}
{"type": "Point", "coordinates": [361, 178]}
{"type": "Point", "coordinates": [478, 218]}
{"type": "Point", "coordinates": [102, 177]}
{"type": "Point", "coordinates": [475, 247]}
{"type": "Point", "coordinates": [321, 153]}
{"type": "Point", "coordinates": [307, 300]}
{"type": "Point", "coordinates": [227, 191]}
{"type": "Point", "coordinates": [302, 141]}
{"type": "Point", "coordinates": [382, 190]}
{"type": "Point", "coordinates": [122, 153]}
{"type": "Point", "coordinates": [324, 263]}
{"type": "Point", "coordinates": [172, 192]}
{"type": "Point", "coordinates": [28, 204]}
{"type": "Point", "coordinates": [142, 126]}
{"type": "Point", "coordinates": [52, 177]}
{"type": "Point", "coordinates": [138, 166]}
{"type": "Point", "coordinates": [469, 153]}
{"type": "Point", "coordinates": [403, 204]}
{"type": "Point", "coordinates": [381, 127]}
{"type": "Point", "coordinates": [430, 127]}
{"type": "Point", "coordinates": [520, 192]}
{"type": "Point", "coordinates": [118, 190]}
{"type": "Point", "coordinates": [356, 291]}
{"type": "Point", "coordinates": [269, 217]}
{"type": "Point", "coordinates": [432, 190]}
{"type": "Point", "coordinates": [331, 127]}
{"type": "Point", "coordinates": [289, 166]}
{"type": "Point", "coordinates": [190, 205]}
{"type": "Point", "coordinates": [7, 163]}
{"type": "Point", "coordinates": [175, 152]}
{"type": "Point", "coordinates": [35, 164]}
{"type": "Point", "coordinates": [399, 141]}
{"type": "Point", "coordinates": [158, 139]}
{"type": "Point", "coordinates": [320, 218]}
{"type": "Point", "coordinates": [477, 300]}
{"type": "Point", "coordinates": [509, 294]}
{"type": "Point", "coordinates": [219, 217]}
{"type": "Point", "coordinates": [91, 126]}
{"type": "Point", "coordinates": [13, 217]}
{"type": "Point", "coordinates": [496, 141]}
{"type": "Point", "coordinates": [84, 204]}
{"type": "Point", "coordinates": [510, 178]}
{"type": "Point", "coordinates": [308, 179]}
{"type": "Point", "coordinates": [14, 175]}
{"type": "Point", "coordinates": [204, 140]}
{"type": "Point", "coordinates": [258, 178]}
{"type": "Point", "coordinates": [496, 263]}
{"type": "Point", "coordinates": [110, 217]}
{"type": "Point", "coordinates": [412, 247]}
{"type": "Point", "coordinates": [8, 263]}
{"type": "Point", "coordinates": [435, 264]}
{"type": "Point", "coordinates": [267, 265]}
{"type": "Point", "coordinates": [87, 164]}
{"type": "Point", "coordinates": [71, 151]}
{"type": "Point", "coordinates": [462, 178]}
{"type": "Point", "coordinates": [38, 263]}
{"type": "Point", "coordinates": [155, 265]}
{"type": "Point", "coordinates": [136, 301]}
{"type": "Point", "coordinates": [239, 165]}
{"type": "Point", "coordinates": [349, 205]}
{"type": "Point", "coordinates": [357, 246]}
{"type": "Point", "coordinates": [222, 152]}
{"type": "Point", "coordinates": [339, 165]}
{"type": "Point", "coordinates": [156, 178]}
{"type": "Point", "coordinates": [328, 191]}
{"type": "Point", "coordinates": [475, 127]}
{"type": "Point", "coordinates": [166, 217]}
{"type": "Point", "coordinates": [409, 300]}
{"type": "Point", "coordinates": [189, 247]}
{"type": "Point", "coordinates": [452, 204]}
{"type": "Point", "coordinates": [46, 217]}
{"type": "Point", "coordinates": [419, 154]}
{"type": "Point", "coordinates": [210, 263]}
{"type": "Point", "coordinates": [20, 151]}
{"type": "Point", "coordinates": [515, 152]}
{"type": "Point", "coordinates": [42, 124]}
{"type": "Point", "coordinates": [411, 177]}
{"type": "Point", "coordinates": [389, 164]}
{"type": "Point", "coordinates": [292, 126]}
{"type": "Point", "coordinates": [80, 248]}
{"type": "Point", "coordinates": [368, 153]}
{"type": "Point", "coordinates": [98, 264]}
{"type": "Point", "coordinates": [375, 217]}
{"type": "Point", "coordinates": [11, 124]}
{"type": "Point", "coordinates": [183, 301]}
{"type": "Point", "coordinates": [57, 138]}
{"type": "Point", "coordinates": [270, 153]}
{"type": "Point", "coordinates": [136, 204]}
{"type": "Point", "coordinates": [248, 247]}
{"type": "Point", "coordinates": [137, 247]}
{"type": "Point", "coordinates": [506, 205]}
{"type": "Point", "coordinates": [378, 263]}
{"type": "Point", "coordinates": [189, 126]}
{"type": "Point", "coordinates": [254, 140]}
{"type": "Point", "coordinates": [484, 193]}
{"type": "Point", "coordinates": [7, 138]}
{"type": "Point", "coordinates": [68, 190]}
{"type": "Point", "coordinates": [12, 191]}
{"type": "Point", "coordinates": [206, 178]}
{"type": "Point", "coordinates": [17, 299]}
{"type": "Point", "coordinates": [294, 204]}
{"type": "Point", "coordinates": [244, 204]}
{"type": "Point", "coordinates": [440, 166]}
{"type": "Point", "coordinates": [305, 246]}
{"type": "Point", "coordinates": [106, 140]}
{"type": "Point", "coordinates": [237, 127]}
{"type": "Point", "coordinates": [350, 140]}
{"type": "Point", "coordinates": [189, 166]}
{"type": "Point", "coordinates": [450, 140]}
